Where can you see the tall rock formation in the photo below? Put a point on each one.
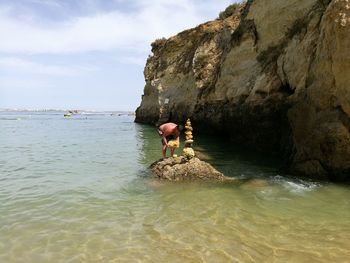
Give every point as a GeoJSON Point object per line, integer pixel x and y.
{"type": "Point", "coordinates": [274, 76]}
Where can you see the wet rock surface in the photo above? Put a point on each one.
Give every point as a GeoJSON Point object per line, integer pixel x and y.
{"type": "Point", "coordinates": [181, 169]}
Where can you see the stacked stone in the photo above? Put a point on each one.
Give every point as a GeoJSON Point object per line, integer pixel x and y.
{"type": "Point", "coordinates": [188, 133]}
{"type": "Point", "coordinates": [188, 152]}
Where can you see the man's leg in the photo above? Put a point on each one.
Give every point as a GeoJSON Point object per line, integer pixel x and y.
{"type": "Point", "coordinates": [164, 151]}
{"type": "Point", "coordinates": [172, 149]}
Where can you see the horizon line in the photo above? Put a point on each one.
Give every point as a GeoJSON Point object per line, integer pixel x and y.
{"type": "Point", "coordinates": [69, 109]}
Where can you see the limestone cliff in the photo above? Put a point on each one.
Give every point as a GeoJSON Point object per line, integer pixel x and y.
{"type": "Point", "coordinates": [274, 76]}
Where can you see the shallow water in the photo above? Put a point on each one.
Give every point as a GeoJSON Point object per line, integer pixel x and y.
{"type": "Point", "coordinates": [78, 190]}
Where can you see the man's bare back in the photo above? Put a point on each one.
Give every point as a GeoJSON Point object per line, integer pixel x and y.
{"type": "Point", "coordinates": [168, 131]}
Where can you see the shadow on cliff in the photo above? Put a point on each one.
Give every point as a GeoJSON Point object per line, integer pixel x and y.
{"type": "Point", "coordinates": [228, 158]}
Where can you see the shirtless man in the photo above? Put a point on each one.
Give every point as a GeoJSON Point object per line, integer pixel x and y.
{"type": "Point", "coordinates": [168, 131]}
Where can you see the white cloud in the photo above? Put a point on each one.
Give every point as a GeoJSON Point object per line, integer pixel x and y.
{"type": "Point", "coordinates": [60, 36]}
{"type": "Point", "coordinates": [51, 3]}
{"type": "Point", "coordinates": [22, 65]}
{"type": "Point", "coordinates": [10, 83]}
{"type": "Point", "coordinates": [133, 60]}
{"type": "Point", "coordinates": [102, 31]}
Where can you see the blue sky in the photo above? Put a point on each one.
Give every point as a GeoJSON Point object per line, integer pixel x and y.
{"type": "Point", "coordinates": [86, 54]}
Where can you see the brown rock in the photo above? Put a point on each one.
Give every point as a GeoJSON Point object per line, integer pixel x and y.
{"type": "Point", "coordinates": [179, 169]}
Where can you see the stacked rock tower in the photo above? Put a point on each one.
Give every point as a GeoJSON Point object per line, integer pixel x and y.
{"type": "Point", "coordinates": [188, 152]}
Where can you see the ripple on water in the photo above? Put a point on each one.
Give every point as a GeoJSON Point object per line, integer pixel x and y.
{"type": "Point", "coordinates": [85, 195]}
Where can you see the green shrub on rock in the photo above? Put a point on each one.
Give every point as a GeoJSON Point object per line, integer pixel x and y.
{"type": "Point", "coordinates": [158, 43]}
{"type": "Point", "coordinates": [229, 11]}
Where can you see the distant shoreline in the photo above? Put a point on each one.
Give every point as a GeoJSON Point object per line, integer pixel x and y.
{"type": "Point", "coordinates": [66, 110]}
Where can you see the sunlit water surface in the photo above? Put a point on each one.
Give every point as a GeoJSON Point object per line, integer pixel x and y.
{"type": "Point", "coordinates": [78, 190]}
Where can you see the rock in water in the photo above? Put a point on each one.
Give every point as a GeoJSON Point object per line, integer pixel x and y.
{"type": "Point", "coordinates": [181, 169]}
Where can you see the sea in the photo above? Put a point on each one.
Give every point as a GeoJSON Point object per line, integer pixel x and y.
{"type": "Point", "coordinates": [78, 189]}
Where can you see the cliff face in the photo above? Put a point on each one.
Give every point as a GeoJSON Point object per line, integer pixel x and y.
{"type": "Point", "coordinates": [274, 76]}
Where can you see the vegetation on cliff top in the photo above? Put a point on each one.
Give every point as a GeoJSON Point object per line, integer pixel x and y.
{"type": "Point", "coordinates": [229, 11]}
{"type": "Point", "coordinates": [158, 43]}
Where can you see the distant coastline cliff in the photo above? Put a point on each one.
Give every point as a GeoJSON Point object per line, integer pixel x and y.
{"type": "Point", "coordinates": [273, 76]}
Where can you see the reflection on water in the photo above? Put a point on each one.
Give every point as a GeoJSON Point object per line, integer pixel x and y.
{"type": "Point", "coordinates": [78, 190]}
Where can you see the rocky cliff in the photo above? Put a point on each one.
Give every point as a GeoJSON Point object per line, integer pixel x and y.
{"type": "Point", "coordinates": [274, 76]}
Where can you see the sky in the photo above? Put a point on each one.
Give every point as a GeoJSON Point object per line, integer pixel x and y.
{"type": "Point", "coordinates": [86, 54]}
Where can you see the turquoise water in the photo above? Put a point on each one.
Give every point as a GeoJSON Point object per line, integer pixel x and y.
{"type": "Point", "coordinates": [78, 190]}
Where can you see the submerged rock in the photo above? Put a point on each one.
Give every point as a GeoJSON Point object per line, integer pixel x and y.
{"type": "Point", "coordinates": [181, 169]}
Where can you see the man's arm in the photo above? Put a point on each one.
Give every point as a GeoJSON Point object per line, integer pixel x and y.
{"type": "Point", "coordinates": [161, 133]}
{"type": "Point", "coordinates": [164, 140]}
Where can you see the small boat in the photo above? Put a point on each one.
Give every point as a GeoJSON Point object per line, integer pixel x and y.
{"type": "Point", "coordinates": [67, 115]}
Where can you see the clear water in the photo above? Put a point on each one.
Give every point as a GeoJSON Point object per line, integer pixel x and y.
{"type": "Point", "coordinates": [78, 190]}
